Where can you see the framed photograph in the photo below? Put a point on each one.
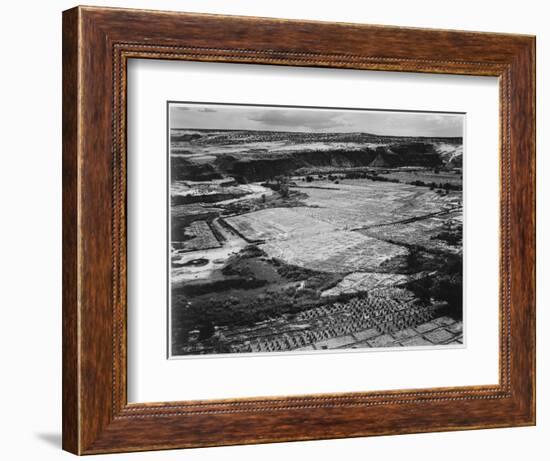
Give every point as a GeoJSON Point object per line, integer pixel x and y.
{"type": "Point", "coordinates": [293, 229]}
{"type": "Point", "coordinates": [280, 230]}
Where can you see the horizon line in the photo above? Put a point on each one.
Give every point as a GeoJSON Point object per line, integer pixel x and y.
{"type": "Point", "coordinates": [319, 132]}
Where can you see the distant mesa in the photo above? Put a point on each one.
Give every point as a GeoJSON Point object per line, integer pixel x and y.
{"type": "Point", "coordinates": [258, 155]}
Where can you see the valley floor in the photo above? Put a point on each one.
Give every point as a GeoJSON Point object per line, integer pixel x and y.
{"type": "Point", "coordinates": [338, 267]}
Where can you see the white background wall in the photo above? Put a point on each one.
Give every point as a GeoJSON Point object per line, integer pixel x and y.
{"type": "Point", "coordinates": [30, 230]}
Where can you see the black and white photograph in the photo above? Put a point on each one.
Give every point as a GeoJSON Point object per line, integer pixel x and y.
{"type": "Point", "coordinates": [310, 229]}
{"type": "Point", "coordinates": [275, 230]}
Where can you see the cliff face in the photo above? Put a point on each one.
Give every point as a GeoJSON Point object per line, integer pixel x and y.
{"type": "Point", "coordinates": [416, 154]}
{"type": "Point", "coordinates": [257, 157]}
{"type": "Point", "coordinates": [264, 167]}
{"type": "Point", "coordinates": [184, 169]}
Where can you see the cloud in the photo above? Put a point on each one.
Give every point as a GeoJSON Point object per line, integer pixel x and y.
{"type": "Point", "coordinates": [297, 118]}
{"type": "Point", "coordinates": [236, 117]}
{"type": "Point", "coordinates": [193, 109]}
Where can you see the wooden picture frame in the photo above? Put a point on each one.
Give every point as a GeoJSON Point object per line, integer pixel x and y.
{"type": "Point", "coordinates": [97, 43]}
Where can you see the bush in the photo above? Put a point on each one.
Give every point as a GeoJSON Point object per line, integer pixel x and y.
{"type": "Point", "coordinates": [445, 286]}
{"type": "Point", "coordinates": [452, 238]}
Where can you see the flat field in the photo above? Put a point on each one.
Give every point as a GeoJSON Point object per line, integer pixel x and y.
{"type": "Point", "coordinates": [355, 226]}
{"type": "Point", "coordinates": [277, 224]}
{"type": "Point", "coordinates": [357, 203]}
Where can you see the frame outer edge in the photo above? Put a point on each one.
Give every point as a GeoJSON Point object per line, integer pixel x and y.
{"type": "Point", "coordinates": [522, 249]}
{"type": "Point", "coordinates": [533, 51]}
{"type": "Point", "coordinates": [70, 190]}
{"type": "Point", "coordinates": [91, 423]}
{"type": "Point", "coordinates": [528, 143]}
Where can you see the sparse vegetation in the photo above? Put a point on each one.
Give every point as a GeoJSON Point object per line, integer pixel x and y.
{"type": "Point", "coordinates": [235, 300]}
{"type": "Point", "coordinates": [444, 282]}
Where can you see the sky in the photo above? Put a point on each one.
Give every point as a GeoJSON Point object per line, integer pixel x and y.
{"type": "Point", "coordinates": [273, 118]}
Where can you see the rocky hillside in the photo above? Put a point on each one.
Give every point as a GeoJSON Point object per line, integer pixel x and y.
{"type": "Point", "coordinates": [204, 155]}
